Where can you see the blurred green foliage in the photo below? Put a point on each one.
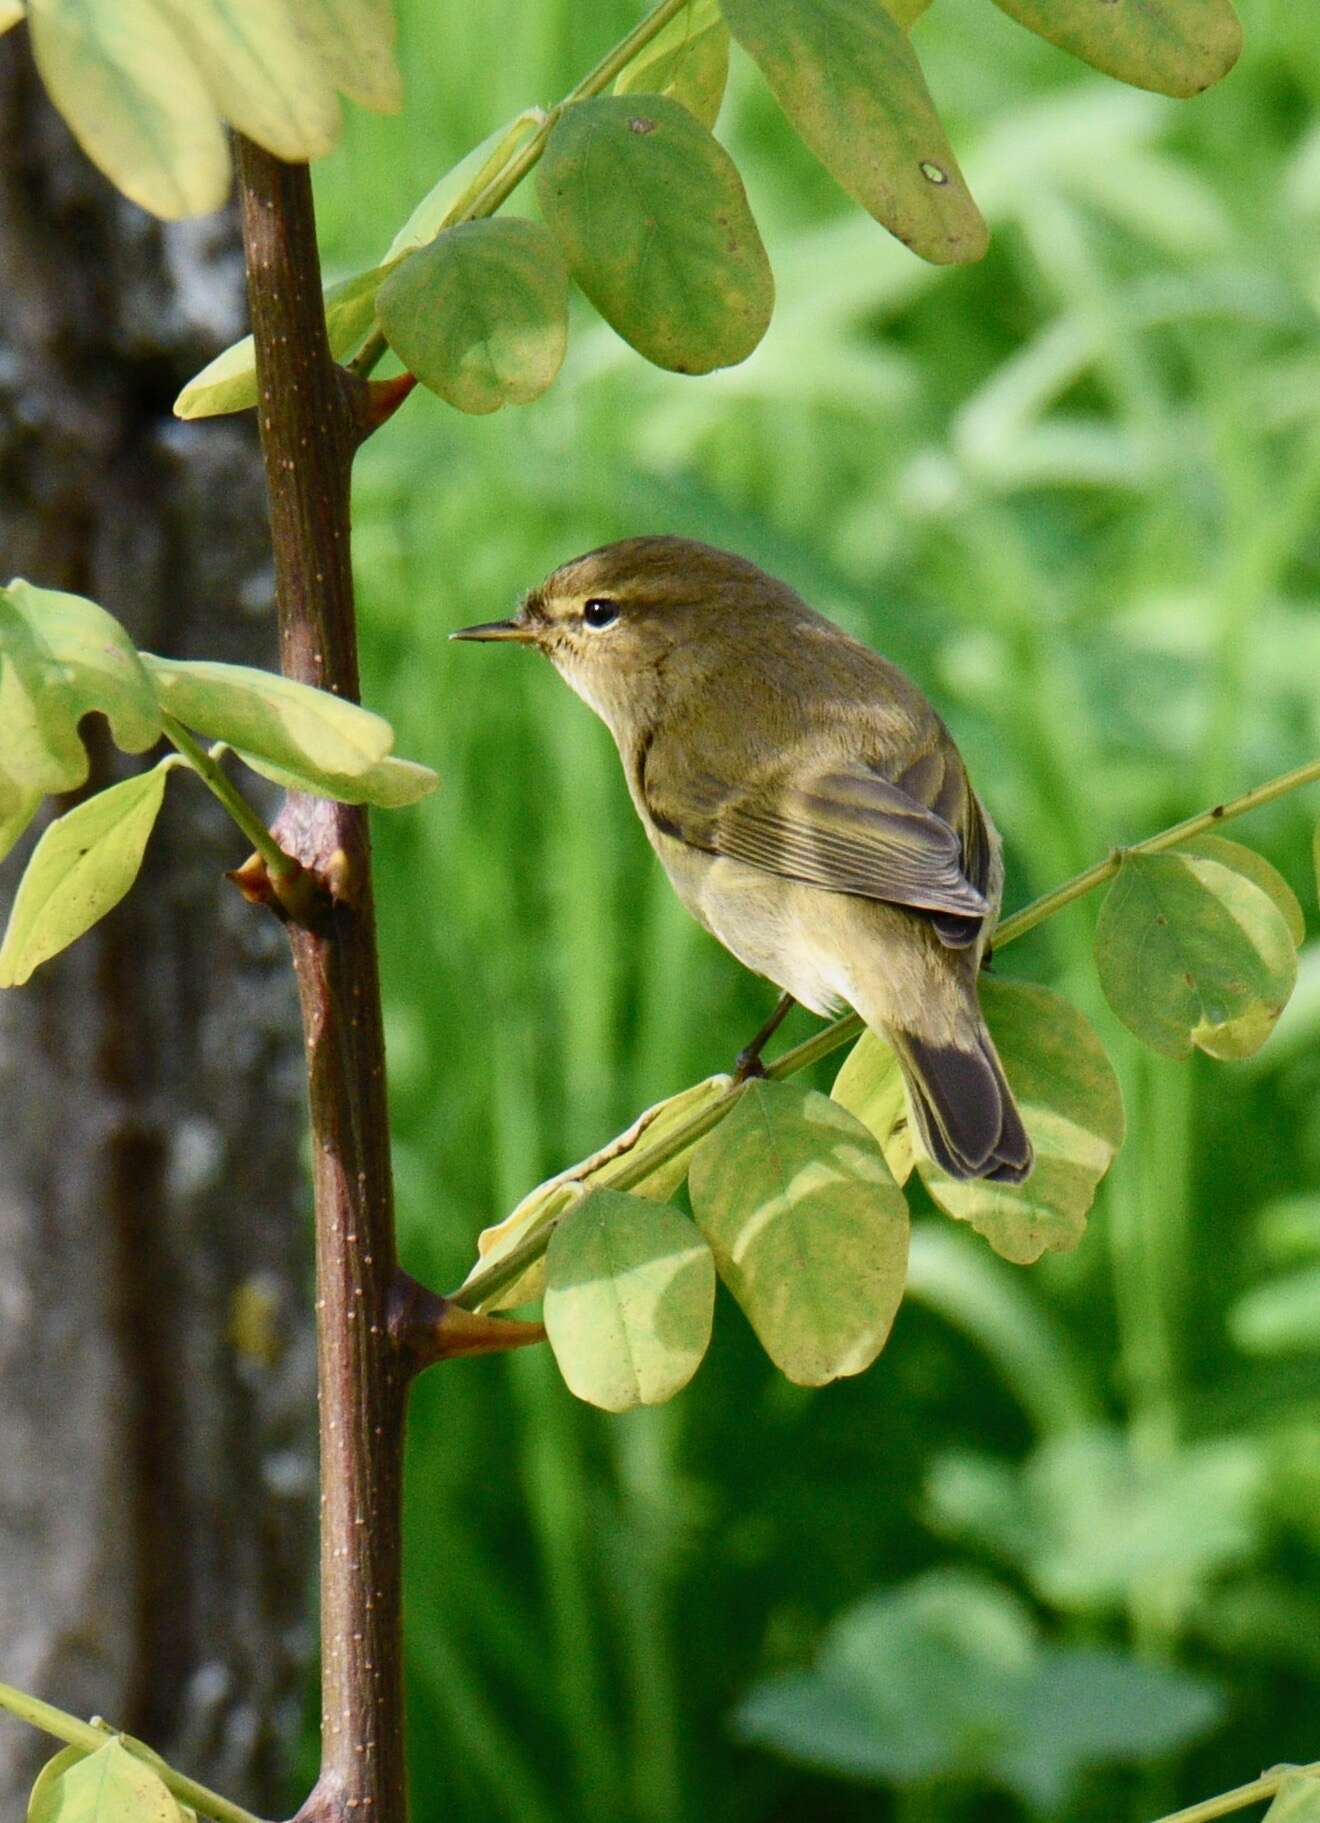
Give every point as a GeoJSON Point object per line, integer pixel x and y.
{"type": "Point", "coordinates": [1076, 491]}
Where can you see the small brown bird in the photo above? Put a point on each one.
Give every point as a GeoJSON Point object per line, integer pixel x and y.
{"type": "Point", "coordinates": [808, 805]}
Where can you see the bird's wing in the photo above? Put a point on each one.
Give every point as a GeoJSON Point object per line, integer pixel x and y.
{"type": "Point", "coordinates": [849, 830]}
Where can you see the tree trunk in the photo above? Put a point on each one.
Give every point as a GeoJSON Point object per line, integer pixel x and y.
{"type": "Point", "coordinates": [155, 1356]}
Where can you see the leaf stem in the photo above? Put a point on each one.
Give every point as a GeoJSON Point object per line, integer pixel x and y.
{"type": "Point", "coordinates": [279, 865]}
{"type": "Point", "coordinates": [498, 191]}
{"type": "Point", "coordinates": [76, 1733]}
{"type": "Point", "coordinates": [632, 1167]}
{"type": "Point", "coordinates": [1241, 1795]}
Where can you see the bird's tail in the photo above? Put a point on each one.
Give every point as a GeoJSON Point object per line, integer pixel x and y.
{"type": "Point", "coordinates": [963, 1107]}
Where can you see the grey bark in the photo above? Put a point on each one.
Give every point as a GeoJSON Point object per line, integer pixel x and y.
{"type": "Point", "coordinates": [155, 1359]}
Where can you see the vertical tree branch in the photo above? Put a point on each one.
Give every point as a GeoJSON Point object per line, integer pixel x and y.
{"type": "Point", "coordinates": [310, 419]}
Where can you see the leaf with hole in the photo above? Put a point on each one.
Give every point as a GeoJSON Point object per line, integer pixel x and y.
{"type": "Point", "coordinates": [1191, 952]}
{"type": "Point", "coordinates": [652, 1131]}
{"type": "Point", "coordinates": [652, 218]}
{"type": "Point", "coordinates": [481, 314]}
{"type": "Point", "coordinates": [688, 60]}
{"type": "Point", "coordinates": [63, 657]}
{"type": "Point", "coordinates": [629, 1300]}
{"type": "Point", "coordinates": [108, 1786]}
{"type": "Point", "coordinates": [1177, 47]}
{"type": "Point", "coordinates": [260, 713]}
{"type": "Point", "coordinates": [849, 81]}
{"type": "Point", "coordinates": [1070, 1103]}
{"type": "Point", "coordinates": [808, 1228]}
{"type": "Point", "coordinates": [81, 868]}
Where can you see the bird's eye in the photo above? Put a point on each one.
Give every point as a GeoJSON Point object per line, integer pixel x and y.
{"type": "Point", "coordinates": [599, 613]}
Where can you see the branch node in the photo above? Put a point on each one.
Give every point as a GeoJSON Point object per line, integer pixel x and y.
{"type": "Point", "coordinates": [425, 1327]}
{"type": "Point", "coordinates": [299, 896]}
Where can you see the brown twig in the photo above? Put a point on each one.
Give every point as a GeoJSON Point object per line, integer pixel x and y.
{"type": "Point", "coordinates": [310, 417]}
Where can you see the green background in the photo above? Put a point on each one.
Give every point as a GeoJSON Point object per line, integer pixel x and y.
{"type": "Point", "coordinates": [1075, 491]}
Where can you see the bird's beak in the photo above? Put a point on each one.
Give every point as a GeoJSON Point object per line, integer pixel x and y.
{"type": "Point", "coordinates": [498, 629]}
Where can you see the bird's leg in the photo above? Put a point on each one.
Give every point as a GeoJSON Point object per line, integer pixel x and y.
{"type": "Point", "coordinates": [748, 1061]}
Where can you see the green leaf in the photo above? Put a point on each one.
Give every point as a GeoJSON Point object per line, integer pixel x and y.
{"type": "Point", "coordinates": [435, 210]}
{"type": "Point", "coordinates": [1297, 1799]}
{"type": "Point", "coordinates": [1087, 1518]}
{"type": "Point", "coordinates": [906, 12]}
{"type": "Point", "coordinates": [688, 60]}
{"type": "Point", "coordinates": [629, 1300]}
{"type": "Point", "coordinates": [847, 78]}
{"type": "Point", "coordinates": [1191, 952]}
{"type": "Point", "coordinates": [62, 657]}
{"type": "Point", "coordinates": [135, 101]}
{"type": "Point", "coordinates": [43, 1795]}
{"type": "Point", "coordinates": [1282, 1316]}
{"type": "Point", "coordinates": [18, 806]}
{"type": "Point", "coordinates": [229, 382]}
{"type": "Point", "coordinates": [808, 1228]}
{"type": "Point", "coordinates": [1069, 1098]}
{"type": "Point", "coordinates": [947, 1675]}
{"type": "Point", "coordinates": [1315, 857]}
{"type": "Point", "coordinates": [108, 1786]}
{"type": "Point", "coordinates": [259, 713]}
{"type": "Point", "coordinates": [261, 72]}
{"type": "Point", "coordinates": [870, 1085]}
{"type": "Point", "coordinates": [653, 1128]}
{"type": "Point", "coordinates": [653, 220]}
{"type": "Point", "coordinates": [481, 315]}
{"type": "Point", "coordinates": [391, 784]}
{"type": "Point", "coordinates": [1259, 871]}
{"type": "Point", "coordinates": [83, 865]}
{"type": "Point", "coordinates": [1177, 47]}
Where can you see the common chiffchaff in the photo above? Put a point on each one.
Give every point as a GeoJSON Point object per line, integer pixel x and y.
{"type": "Point", "coordinates": [808, 805]}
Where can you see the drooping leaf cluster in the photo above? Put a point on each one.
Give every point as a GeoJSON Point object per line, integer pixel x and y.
{"type": "Point", "coordinates": [797, 1198]}
{"type": "Point", "coordinates": [62, 657]}
{"type": "Point", "coordinates": [645, 211]}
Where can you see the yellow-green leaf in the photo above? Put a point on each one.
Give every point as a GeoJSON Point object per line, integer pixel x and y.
{"type": "Point", "coordinates": [391, 784]}
{"type": "Point", "coordinates": [808, 1228]}
{"type": "Point", "coordinates": [870, 1085]}
{"type": "Point", "coordinates": [629, 1299]}
{"type": "Point", "coordinates": [261, 713]}
{"type": "Point", "coordinates": [1259, 871]}
{"type": "Point", "coordinates": [108, 1786]}
{"type": "Point", "coordinates": [1177, 47]}
{"type": "Point", "coordinates": [355, 41]}
{"type": "Point", "coordinates": [1192, 952]}
{"type": "Point", "coordinates": [262, 74]}
{"type": "Point", "coordinates": [83, 865]}
{"type": "Point", "coordinates": [1297, 1799]}
{"type": "Point", "coordinates": [18, 806]}
{"type": "Point", "coordinates": [229, 382]}
{"type": "Point", "coordinates": [11, 11]}
{"type": "Point", "coordinates": [435, 211]}
{"type": "Point", "coordinates": [135, 101]}
{"type": "Point", "coordinates": [653, 220]}
{"type": "Point", "coordinates": [1069, 1098]}
{"type": "Point", "coordinates": [849, 81]}
{"type": "Point", "coordinates": [481, 314]}
{"type": "Point", "coordinates": [43, 1796]}
{"type": "Point", "coordinates": [62, 657]}
{"type": "Point", "coordinates": [1315, 857]}
{"type": "Point", "coordinates": [652, 1132]}
{"type": "Point", "coordinates": [688, 60]}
